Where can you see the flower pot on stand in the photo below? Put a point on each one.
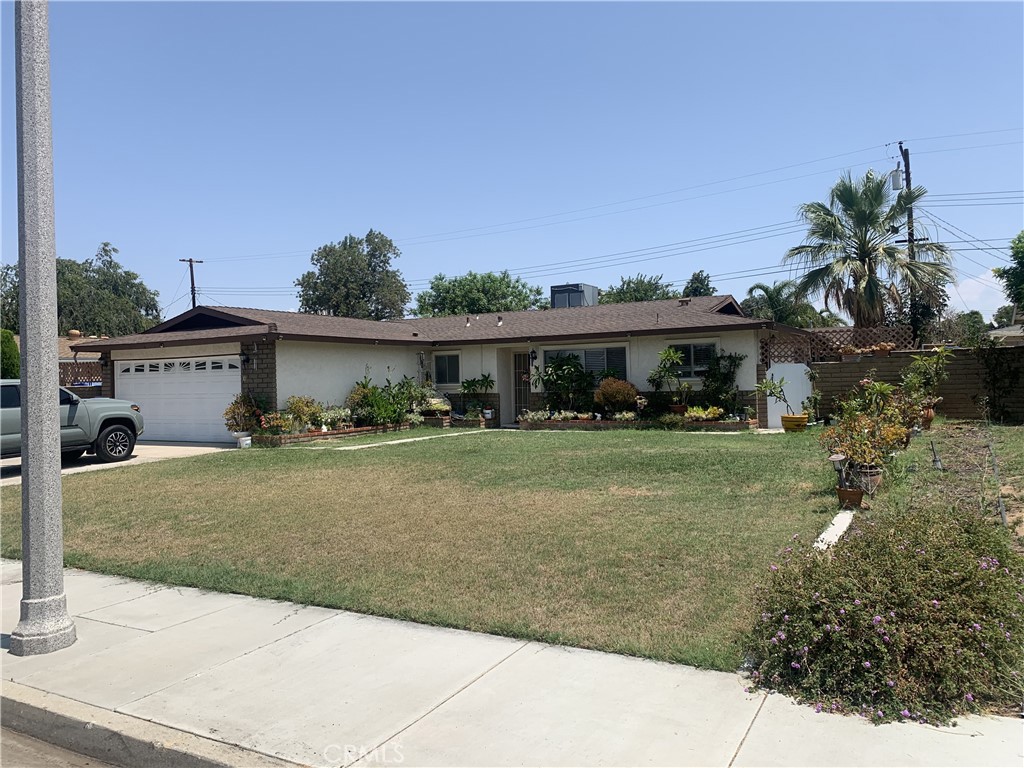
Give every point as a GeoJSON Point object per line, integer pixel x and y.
{"type": "Point", "coordinates": [677, 408]}
{"type": "Point", "coordinates": [794, 423]}
{"type": "Point", "coordinates": [850, 498]}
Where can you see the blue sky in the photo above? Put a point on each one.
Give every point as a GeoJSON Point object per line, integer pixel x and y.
{"type": "Point", "coordinates": [520, 136]}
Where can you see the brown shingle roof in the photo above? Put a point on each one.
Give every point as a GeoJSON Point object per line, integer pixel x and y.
{"type": "Point", "coordinates": [65, 350]}
{"type": "Point", "coordinates": [698, 315]}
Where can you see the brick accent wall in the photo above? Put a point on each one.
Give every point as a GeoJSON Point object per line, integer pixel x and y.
{"type": "Point", "coordinates": [960, 393]}
{"type": "Point", "coordinates": [106, 376]}
{"type": "Point", "coordinates": [259, 374]}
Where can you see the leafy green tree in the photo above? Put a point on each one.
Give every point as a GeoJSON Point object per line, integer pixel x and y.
{"type": "Point", "coordinates": [639, 288]}
{"type": "Point", "coordinates": [1003, 316]}
{"type": "Point", "coordinates": [851, 256]}
{"type": "Point", "coordinates": [699, 284]}
{"type": "Point", "coordinates": [10, 357]}
{"type": "Point", "coordinates": [474, 293]}
{"type": "Point", "coordinates": [1012, 277]}
{"type": "Point", "coordinates": [962, 329]}
{"type": "Point", "coordinates": [96, 296]}
{"type": "Point", "coordinates": [781, 302]}
{"type": "Point", "coordinates": [9, 297]}
{"type": "Point", "coordinates": [354, 278]}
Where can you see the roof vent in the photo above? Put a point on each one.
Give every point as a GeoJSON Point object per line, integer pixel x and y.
{"type": "Point", "coordinates": [467, 321]}
{"type": "Point", "coordinates": [415, 333]}
{"type": "Point", "coordinates": [500, 321]}
{"type": "Point", "coordinates": [684, 302]}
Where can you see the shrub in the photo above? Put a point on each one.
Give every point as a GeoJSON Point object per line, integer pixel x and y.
{"type": "Point", "coordinates": [305, 410]}
{"type": "Point", "coordinates": [10, 357]}
{"type": "Point", "coordinates": [673, 421]}
{"type": "Point", "coordinates": [414, 419]}
{"type": "Point", "coordinates": [564, 416]}
{"type": "Point", "coordinates": [615, 395]}
{"type": "Point", "coordinates": [566, 383]}
{"type": "Point", "coordinates": [334, 416]}
{"type": "Point", "coordinates": [275, 423]}
{"type": "Point", "coordinates": [711, 413]}
{"type": "Point", "coordinates": [243, 415]}
{"type": "Point", "coordinates": [916, 616]}
{"type": "Point", "coordinates": [534, 417]}
{"type": "Point", "coordinates": [625, 416]}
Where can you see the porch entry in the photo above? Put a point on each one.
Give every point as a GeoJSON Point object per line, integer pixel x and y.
{"type": "Point", "coordinates": [520, 382]}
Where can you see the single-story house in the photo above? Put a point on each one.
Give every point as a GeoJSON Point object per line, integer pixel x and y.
{"type": "Point", "coordinates": [185, 371]}
{"type": "Point", "coordinates": [75, 366]}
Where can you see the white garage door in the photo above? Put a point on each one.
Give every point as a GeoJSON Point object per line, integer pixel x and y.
{"type": "Point", "coordinates": [182, 399]}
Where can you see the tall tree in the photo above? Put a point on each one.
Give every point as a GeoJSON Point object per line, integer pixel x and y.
{"type": "Point", "coordinates": [96, 296]}
{"type": "Point", "coordinates": [474, 293]}
{"type": "Point", "coordinates": [1012, 276]}
{"type": "Point", "coordinates": [782, 303]}
{"type": "Point", "coordinates": [699, 284]}
{"type": "Point", "coordinates": [10, 356]}
{"type": "Point", "coordinates": [851, 256]}
{"type": "Point", "coordinates": [1003, 316]}
{"type": "Point", "coordinates": [354, 278]}
{"type": "Point", "coordinates": [639, 288]}
{"type": "Point", "coordinates": [962, 329]}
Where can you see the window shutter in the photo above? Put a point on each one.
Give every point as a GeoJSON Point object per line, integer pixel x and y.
{"type": "Point", "coordinates": [616, 361]}
{"type": "Point", "coordinates": [593, 360]}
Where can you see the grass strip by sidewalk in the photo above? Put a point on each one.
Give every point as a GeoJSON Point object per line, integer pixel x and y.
{"type": "Point", "coordinates": [644, 543]}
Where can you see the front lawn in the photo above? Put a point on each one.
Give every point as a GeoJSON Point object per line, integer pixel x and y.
{"type": "Point", "coordinates": [646, 543]}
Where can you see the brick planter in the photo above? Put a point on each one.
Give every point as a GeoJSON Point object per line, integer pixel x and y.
{"type": "Point", "coordinates": [693, 426]}
{"type": "Point", "coordinates": [308, 437]}
{"type": "Point", "coordinates": [441, 422]}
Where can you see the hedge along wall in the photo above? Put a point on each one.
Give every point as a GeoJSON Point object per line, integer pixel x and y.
{"type": "Point", "coordinates": [970, 379]}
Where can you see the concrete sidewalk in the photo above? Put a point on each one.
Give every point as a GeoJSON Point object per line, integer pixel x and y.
{"type": "Point", "coordinates": [257, 678]}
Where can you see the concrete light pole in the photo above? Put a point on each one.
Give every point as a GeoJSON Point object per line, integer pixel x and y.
{"type": "Point", "coordinates": [45, 625]}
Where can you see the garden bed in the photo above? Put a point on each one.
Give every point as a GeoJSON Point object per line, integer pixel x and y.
{"type": "Point", "coordinates": [308, 437]}
{"type": "Point", "coordinates": [589, 424]}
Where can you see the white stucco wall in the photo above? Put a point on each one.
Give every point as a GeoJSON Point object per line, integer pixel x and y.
{"type": "Point", "coordinates": [328, 371]}
{"type": "Point", "coordinates": [474, 361]}
{"type": "Point", "coordinates": [642, 353]}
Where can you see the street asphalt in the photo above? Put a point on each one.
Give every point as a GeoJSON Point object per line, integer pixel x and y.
{"type": "Point", "coordinates": [276, 681]}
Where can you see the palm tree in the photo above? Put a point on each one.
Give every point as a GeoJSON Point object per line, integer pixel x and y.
{"type": "Point", "coordinates": [851, 256]}
{"type": "Point", "coordinates": [781, 302]}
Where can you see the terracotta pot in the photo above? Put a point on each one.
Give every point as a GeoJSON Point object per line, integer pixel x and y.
{"type": "Point", "coordinates": [850, 498]}
{"type": "Point", "coordinates": [927, 416]}
{"type": "Point", "coordinates": [882, 353]}
{"type": "Point", "coordinates": [795, 423]}
{"type": "Point", "coordinates": [869, 478]}
{"type": "Point", "coordinates": [676, 408]}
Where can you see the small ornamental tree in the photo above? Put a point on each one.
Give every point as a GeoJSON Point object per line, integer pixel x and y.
{"type": "Point", "coordinates": [10, 357]}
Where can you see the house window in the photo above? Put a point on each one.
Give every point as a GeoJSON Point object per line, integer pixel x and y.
{"type": "Point", "coordinates": [696, 358]}
{"type": "Point", "coordinates": [446, 369]}
{"type": "Point", "coordinates": [594, 360]}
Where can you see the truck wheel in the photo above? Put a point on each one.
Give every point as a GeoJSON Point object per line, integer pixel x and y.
{"type": "Point", "coordinates": [72, 455]}
{"type": "Point", "coordinates": [115, 443]}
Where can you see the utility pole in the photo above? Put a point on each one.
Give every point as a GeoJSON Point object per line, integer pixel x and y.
{"type": "Point", "coordinates": [45, 624]}
{"type": "Point", "coordinates": [192, 273]}
{"type": "Point", "coordinates": [916, 321]}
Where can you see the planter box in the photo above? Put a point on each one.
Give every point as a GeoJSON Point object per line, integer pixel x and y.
{"type": "Point", "coordinates": [308, 437]}
{"type": "Point", "coordinates": [441, 422]}
{"type": "Point", "coordinates": [479, 423]}
{"type": "Point", "coordinates": [693, 426]}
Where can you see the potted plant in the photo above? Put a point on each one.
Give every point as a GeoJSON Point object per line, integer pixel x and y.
{"type": "Point", "coordinates": [243, 415]}
{"type": "Point", "coordinates": [922, 379]}
{"type": "Point", "coordinates": [667, 374]}
{"type": "Point", "coordinates": [884, 348]}
{"type": "Point", "coordinates": [867, 441]}
{"type": "Point", "coordinates": [791, 422]}
{"type": "Point", "coordinates": [849, 353]}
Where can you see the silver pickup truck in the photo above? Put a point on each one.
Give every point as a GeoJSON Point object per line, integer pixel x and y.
{"type": "Point", "coordinates": [100, 425]}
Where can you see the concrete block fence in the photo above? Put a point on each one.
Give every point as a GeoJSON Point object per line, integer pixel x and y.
{"type": "Point", "coordinates": [961, 393]}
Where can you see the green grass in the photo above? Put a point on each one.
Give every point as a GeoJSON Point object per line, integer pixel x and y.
{"type": "Point", "coordinates": [645, 543]}
{"type": "Point", "coordinates": [380, 437]}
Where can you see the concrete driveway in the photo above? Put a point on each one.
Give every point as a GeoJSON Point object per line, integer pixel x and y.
{"type": "Point", "coordinates": [145, 452]}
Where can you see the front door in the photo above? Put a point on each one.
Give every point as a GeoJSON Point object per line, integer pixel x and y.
{"type": "Point", "coordinates": [521, 382]}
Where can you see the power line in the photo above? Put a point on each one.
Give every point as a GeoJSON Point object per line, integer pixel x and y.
{"type": "Point", "coordinates": [960, 135]}
{"type": "Point", "coordinates": [994, 250]}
